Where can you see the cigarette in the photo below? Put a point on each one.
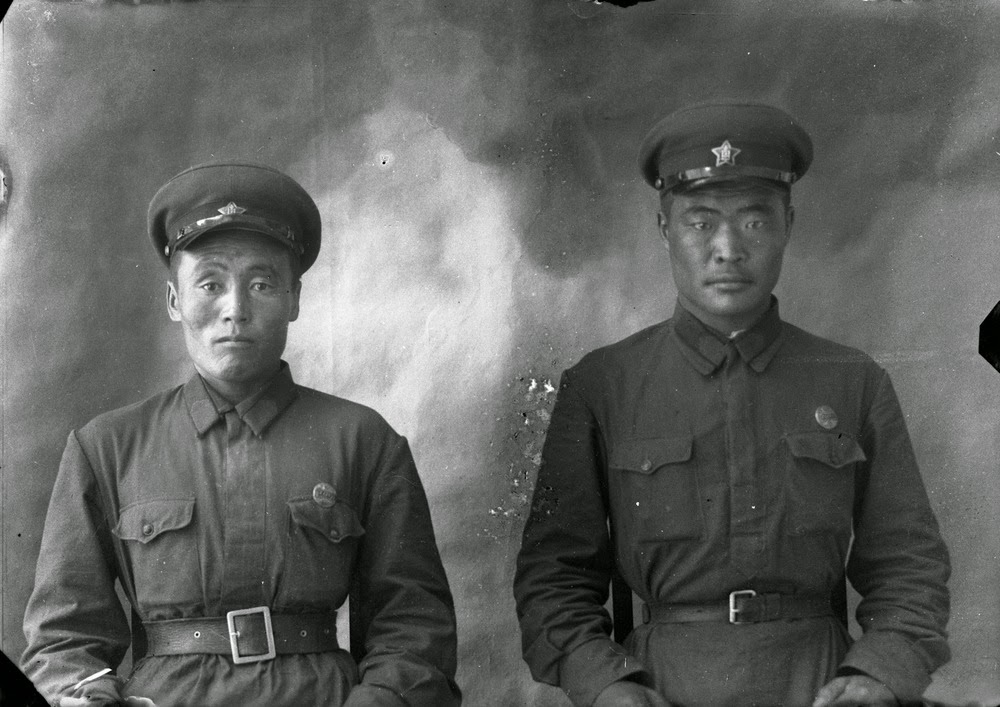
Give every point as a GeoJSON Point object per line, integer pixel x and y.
{"type": "Point", "coordinates": [91, 678]}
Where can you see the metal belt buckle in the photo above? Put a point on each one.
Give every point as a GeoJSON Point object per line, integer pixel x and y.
{"type": "Point", "coordinates": [265, 614]}
{"type": "Point", "coordinates": [733, 611]}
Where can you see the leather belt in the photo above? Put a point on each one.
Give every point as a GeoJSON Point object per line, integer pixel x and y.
{"type": "Point", "coordinates": [248, 635]}
{"type": "Point", "coordinates": [745, 606]}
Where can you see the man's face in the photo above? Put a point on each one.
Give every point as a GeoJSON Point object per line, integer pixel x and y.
{"type": "Point", "coordinates": [726, 243]}
{"type": "Point", "coordinates": [234, 294]}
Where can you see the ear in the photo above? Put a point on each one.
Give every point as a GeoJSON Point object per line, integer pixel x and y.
{"type": "Point", "coordinates": [173, 304]}
{"type": "Point", "coordinates": [296, 291]}
{"type": "Point", "coordinates": [662, 227]}
{"type": "Point", "coordinates": [789, 221]}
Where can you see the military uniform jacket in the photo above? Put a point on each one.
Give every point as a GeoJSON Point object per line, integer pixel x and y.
{"type": "Point", "coordinates": [198, 509]}
{"type": "Point", "coordinates": [729, 464]}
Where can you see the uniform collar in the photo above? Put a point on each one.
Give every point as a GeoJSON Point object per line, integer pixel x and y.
{"type": "Point", "coordinates": [207, 407]}
{"type": "Point", "coordinates": [705, 348]}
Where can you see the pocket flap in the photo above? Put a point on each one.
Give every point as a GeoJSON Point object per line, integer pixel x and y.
{"type": "Point", "coordinates": [836, 450]}
{"type": "Point", "coordinates": [647, 455]}
{"type": "Point", "coordinates": [335, 523]}
{"type": "Point", "coordinates": [145, 520]}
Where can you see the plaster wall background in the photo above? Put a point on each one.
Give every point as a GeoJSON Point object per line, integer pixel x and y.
{"type": "Point", "coordinates": [486, 225]}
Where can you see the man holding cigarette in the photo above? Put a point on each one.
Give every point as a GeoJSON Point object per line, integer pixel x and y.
{"type": "Point", "coordinates": [237, 511]}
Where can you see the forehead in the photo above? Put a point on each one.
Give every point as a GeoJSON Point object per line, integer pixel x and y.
{"type": "Point", "coordinates": [729, 196]}
{"type": "Point", "coordinates": [235, 250]}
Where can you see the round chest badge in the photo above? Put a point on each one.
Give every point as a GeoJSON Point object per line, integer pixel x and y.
{"type": "Point", "coordinates": [324, 495]}
{"type": "Point", "coordinates": [826, 417]}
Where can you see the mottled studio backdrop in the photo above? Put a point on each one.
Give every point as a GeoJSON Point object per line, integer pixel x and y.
{"type": "Point", "coordinates": [485, 225]}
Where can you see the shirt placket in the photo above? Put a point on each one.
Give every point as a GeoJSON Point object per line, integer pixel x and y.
{"type": "Point", "coordinates": [747, 515]}
{"type": "Point", "coordinates": [243, 517]}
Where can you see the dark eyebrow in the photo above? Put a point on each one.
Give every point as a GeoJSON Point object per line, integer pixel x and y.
{"type": "Point", "coordinates": [212, 267]}
{"type": "Point", "coordinates": [263, 269]}
{"type": "Point", "coordinates": [699, 210]}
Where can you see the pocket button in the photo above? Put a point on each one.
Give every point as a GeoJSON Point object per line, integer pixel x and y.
{"type": "Point", "coordinates": [646, 465]}
{"type": "Point", "coordinates": [147, 529]}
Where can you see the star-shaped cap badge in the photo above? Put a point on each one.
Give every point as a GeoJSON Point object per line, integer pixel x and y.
{"type": "Point", "coordinates": [725, 154]}
{"type": "Point", "coordinates": [231, 209]}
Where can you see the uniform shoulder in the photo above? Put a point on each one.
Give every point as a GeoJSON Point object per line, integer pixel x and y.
{"type": "Point", "coordinates": [626, 349]}
{"type": "Point", "coordinates": [343, 412]}
{"type": "Point", "coordinates": [130, 416]}
{"type": "Point", "coordinates": [799, 342]}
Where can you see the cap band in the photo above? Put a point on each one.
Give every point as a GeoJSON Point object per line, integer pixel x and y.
{"type": "Point", "coordinates": [690, 175]}
{"type": "Point", "coordinates": [259, 224]}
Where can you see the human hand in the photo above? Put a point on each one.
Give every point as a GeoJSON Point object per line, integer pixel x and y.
{"type": "Point", "coordinates": [97, 690]}
{"type": "Point", "coordinates": [855, 691]}
{"type": "Point", "coordinates": [629, 694]}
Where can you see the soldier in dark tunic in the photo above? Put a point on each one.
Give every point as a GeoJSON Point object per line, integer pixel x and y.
{"type": "Point", "coordinates": [238, 509]}
{"type": "Point", "coordinates": [733, 469]}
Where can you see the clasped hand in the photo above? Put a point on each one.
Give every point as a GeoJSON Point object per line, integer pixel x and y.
{"type": "Point", "coordinates": [847, 691]}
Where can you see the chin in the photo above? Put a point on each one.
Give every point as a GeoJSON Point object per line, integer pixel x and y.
{"type": "Point", "coordinates": [729, 310]}
{"type": "Point", "coordinates": [736, 304]}
{"type": "Point", "coordinates": [734, 312]}
{"type": "Point", "coordinates": [234, 371]}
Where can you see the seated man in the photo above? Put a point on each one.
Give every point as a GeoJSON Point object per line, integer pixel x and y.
{"type": "Point", "coordinates": [733, 469]}
{"type": "Point", "coordinates": [238, 509]}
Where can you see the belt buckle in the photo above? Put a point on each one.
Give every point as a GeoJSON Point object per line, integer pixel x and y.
{"type": "Point", "coordinates": [265, 613]}
{"type": "Point", "coordinates": [733, 611]}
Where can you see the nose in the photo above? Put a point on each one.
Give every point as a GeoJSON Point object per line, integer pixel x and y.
{"type": "Point", "coordinates": [236, 306]}
{"type": "Point", "coordinates": [727, 246]}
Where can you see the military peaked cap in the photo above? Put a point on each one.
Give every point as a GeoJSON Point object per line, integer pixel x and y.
{"type": "Point", "coordinates": [712, 142]}
{"type": "Point", "coordinates": [234, 195]}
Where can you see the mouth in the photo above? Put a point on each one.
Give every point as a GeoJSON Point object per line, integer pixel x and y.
{"type": "Point", "coordinates": [729, 281]}
{"type": "Point", "coordinates": [235, 341]}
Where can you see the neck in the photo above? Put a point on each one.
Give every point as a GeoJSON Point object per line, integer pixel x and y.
{"type": "Point", "coordinates": [236, 392]}
{"type": "Point", "coordinates": [726, 325]}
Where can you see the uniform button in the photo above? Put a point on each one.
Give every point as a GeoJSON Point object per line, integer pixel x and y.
{"type": "Point", "coordinates": [826, 417]}
{"type": "Point", "coordinates": [646, 465]}
{"type": "Point", "coordinates": [324, 495]}
{"type": "Point", "coordinates": [147, 529]}
{"type": "Point", "coordinates": [334, 535]}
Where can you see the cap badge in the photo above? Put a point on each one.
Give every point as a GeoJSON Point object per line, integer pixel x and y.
{"type": "Point", "coordinates": [231, 209]}
{"type": "Point", "coordinates": [826, 417]}
{"type": "Point", "coordinates": [725, 154]}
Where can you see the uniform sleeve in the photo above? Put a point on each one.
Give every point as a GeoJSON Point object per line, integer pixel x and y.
{"type": "Point", "coordinates": [564, 566]}
{"type": "Point", "coordinates": [899, 563]}
{"type": "Point", "coordinates": [406, 607]}
{"type": "Point", "coordinates": [74, 623]}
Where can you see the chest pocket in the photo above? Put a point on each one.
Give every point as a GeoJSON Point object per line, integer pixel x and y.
{"type": "Point", "coordinates": [653, 487]}
{"type": "Point", "coordinates": [162, 551]}
{"type": "Point", "coordinates": [320, 549]}
{"type": "Point", "coordinates": [820, 481]}
{"type": "Point", "coordinates": [336, 523]}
